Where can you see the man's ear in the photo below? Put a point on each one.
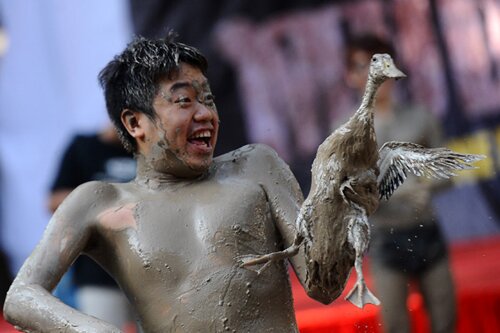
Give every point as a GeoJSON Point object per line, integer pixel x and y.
{"type": "Point", "coordinates": [134, 122]}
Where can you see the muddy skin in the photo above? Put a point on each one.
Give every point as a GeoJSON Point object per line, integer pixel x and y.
{"type": "Point", "coordinates": [172, 244]}
{"type": "Point", "coordinates": [172, 238]}
{"type": "Point", "coordinates": [163, 164]}
{"type": "Point", "coordinates": [202, 90]}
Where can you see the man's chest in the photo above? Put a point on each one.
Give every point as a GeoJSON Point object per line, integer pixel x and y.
{"type": "Point", "coordinates": [217, 219]}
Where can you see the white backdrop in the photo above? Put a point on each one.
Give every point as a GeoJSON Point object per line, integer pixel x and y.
{"type": "Point", "coordinates": [48, 90]}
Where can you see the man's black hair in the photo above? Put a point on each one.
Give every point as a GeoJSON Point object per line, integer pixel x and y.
{"type": "Point", "coordinates": [131, 79]}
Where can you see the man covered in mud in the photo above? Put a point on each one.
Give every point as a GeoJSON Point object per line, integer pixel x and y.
{"type": "Point", "coordinates": [173, 238]}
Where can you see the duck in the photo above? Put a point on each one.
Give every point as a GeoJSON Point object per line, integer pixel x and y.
{"type": "Point", "coordinates": [348, 170]}
{"type": "Point", "coordinates": [351, 154]}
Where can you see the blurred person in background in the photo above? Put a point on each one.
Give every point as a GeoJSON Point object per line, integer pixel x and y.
{"type": "Point", "coordinates": [102, 157]}
{"type": "Point", "coordinates": [407, 243]}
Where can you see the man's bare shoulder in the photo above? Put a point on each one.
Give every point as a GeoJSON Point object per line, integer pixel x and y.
{"type": "Point", "coordinates": [89, 199]}
{"type": "Point", "coordinates": [256, 162]}
{"type": "Point", "coordinates": [91, 190]}
{"type": "Point", "coordinates": [252, 155]}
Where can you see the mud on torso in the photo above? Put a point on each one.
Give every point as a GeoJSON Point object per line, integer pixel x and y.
{"type": "Point", "coordinates": [174, 254]}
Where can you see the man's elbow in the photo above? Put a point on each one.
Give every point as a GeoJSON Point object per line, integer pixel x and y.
{"type": "Point", "coordinates": [16, 300]}
{"type": "Point", "coordinates": [10, 306]}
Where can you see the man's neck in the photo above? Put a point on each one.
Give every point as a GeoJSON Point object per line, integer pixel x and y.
{"type": "Point", "coordinates": [156, 175]}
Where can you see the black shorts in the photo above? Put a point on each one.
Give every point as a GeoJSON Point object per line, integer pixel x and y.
{"type": "Point", "coordinates": [411, 250]}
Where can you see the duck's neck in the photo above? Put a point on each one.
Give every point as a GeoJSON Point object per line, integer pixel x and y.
{"type": "Point", "coordinates": [368, 101]}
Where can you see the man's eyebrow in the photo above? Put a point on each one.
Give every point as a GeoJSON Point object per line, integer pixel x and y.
{"type": "Point", "coordinates": [180, 85]}
{"type": "Point", "coordinates": [187, 84]}
{"type": "Point", "coordinates": [205, 85]}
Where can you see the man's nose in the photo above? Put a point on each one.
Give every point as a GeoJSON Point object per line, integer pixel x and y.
{"type": "Point", "coordinates": [204, 113]}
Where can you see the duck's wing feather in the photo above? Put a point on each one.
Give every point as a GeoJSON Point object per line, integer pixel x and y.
{"type": "Point", "coordinates": [397, 159]}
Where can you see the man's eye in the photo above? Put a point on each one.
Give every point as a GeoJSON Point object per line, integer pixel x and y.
{"type": "Point", "coordinates": [183, 101]}
{"type": "Point", "coordinates": [209, 100]}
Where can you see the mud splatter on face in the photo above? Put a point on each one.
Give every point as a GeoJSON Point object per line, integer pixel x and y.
{"type": "Point", "coordinates": [184, 131]}
{"type": "Point", "coordinates": [167, 159]}
{"type": "Point", "coordinates": [180, 94]}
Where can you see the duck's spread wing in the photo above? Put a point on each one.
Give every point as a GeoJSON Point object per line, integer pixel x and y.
{"type": "Point", "coordinates": [396, 159]}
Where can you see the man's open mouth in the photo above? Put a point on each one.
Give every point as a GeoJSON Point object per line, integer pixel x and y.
{"type": "Point", "coordinates": [201, 138]}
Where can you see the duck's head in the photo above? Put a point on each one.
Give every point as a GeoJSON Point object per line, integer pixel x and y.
{"type": "Point", "coordinates": [382, 68]}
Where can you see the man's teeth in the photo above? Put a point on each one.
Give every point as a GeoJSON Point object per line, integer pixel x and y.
{"type": "Point", "coordinates": [203, 134]}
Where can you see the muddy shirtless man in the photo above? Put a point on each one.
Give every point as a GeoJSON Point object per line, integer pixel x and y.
{"type": "Point", "coordinates": [172, 238]}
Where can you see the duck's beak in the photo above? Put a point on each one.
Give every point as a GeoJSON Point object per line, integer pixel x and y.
{"type": "Point", "coordinates": [392, 71]}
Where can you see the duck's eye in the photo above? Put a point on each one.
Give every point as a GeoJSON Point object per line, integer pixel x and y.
{"type": "Point", "coordinates": [374, 59]}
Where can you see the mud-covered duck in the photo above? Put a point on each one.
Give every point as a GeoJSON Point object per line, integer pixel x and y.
{"type": "Point", "coordinates": [347, 165]}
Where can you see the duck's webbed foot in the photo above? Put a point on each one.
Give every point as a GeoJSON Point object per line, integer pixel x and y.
{"type": "Point", "coordinates": [249, 260]}
{"type": "Point", "coordinates": [360, 295]}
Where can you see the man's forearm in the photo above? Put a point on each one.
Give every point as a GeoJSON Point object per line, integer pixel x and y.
{"type": "Point", "coordinates": [33, 309]}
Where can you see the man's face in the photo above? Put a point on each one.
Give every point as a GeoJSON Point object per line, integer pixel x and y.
{"type": "Point", "coordinates": [358, 67]}
{"type": "Point", "coordinates": [187, 123]}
